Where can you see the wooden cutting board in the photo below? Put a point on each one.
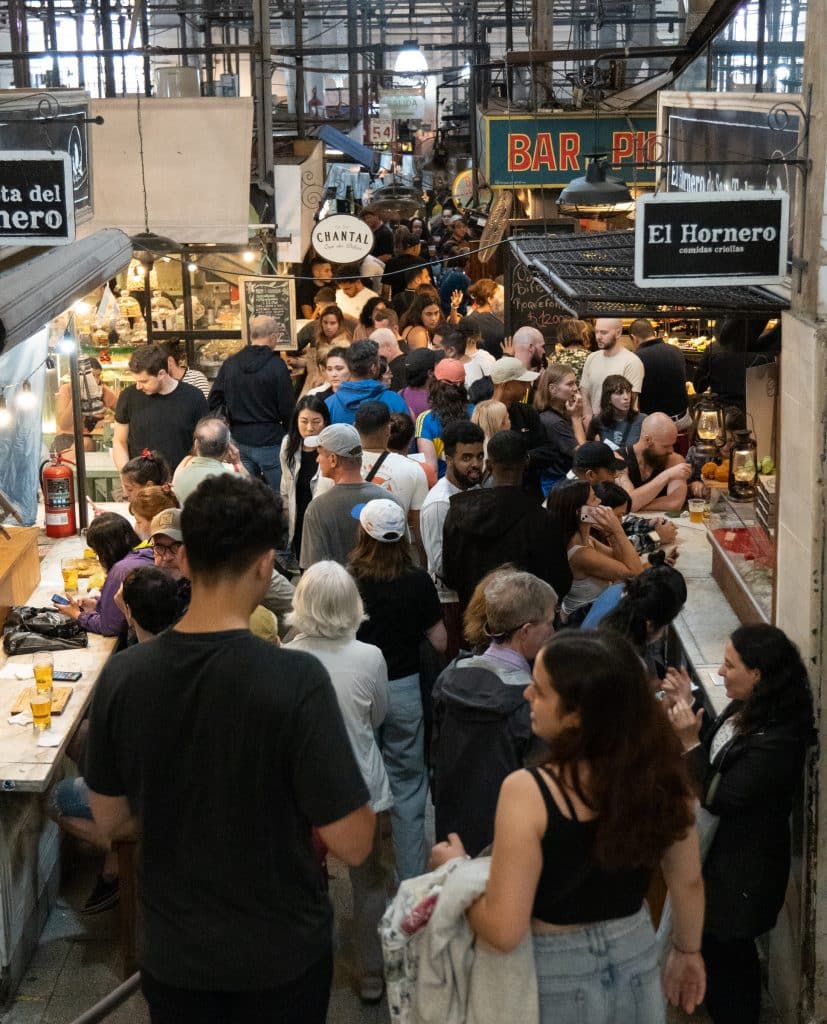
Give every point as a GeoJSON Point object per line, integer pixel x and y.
{"type": "Point", "coordinates": [60, 698]}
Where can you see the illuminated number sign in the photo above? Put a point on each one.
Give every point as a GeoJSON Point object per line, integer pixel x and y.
{"type": "Point", "coordinates": [539, 151]}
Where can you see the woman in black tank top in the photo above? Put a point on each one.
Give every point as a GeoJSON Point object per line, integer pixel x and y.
{"type": "Point", "coordinates": [576, 840]}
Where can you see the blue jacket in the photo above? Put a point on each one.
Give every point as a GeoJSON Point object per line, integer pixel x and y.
{"type": "Point", "coordinates": [352, 393]}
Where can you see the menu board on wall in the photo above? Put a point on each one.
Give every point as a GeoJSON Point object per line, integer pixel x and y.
{"type": "Point", "coordinates": [269, 296]}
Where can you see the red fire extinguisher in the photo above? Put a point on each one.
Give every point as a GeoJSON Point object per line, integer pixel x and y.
{"type": "Point", "coordinates": [59, 498]}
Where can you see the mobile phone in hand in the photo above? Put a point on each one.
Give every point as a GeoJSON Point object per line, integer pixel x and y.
{"type": "Point", "coordinates": [60, 599]}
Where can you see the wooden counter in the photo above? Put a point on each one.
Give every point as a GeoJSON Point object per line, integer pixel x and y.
{"type": "Point", "coordinates": [29, 840]}
{"type": "Point", "coordinates": [24, 766]}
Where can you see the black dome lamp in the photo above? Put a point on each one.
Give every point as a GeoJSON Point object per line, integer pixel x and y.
{"type": "Point", "coordinates": [597, 194]}
{"type": "Point", "coordinates": [147, 247]}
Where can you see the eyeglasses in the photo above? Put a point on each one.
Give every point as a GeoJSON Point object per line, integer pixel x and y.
{"type": "Point", "coordinates": [166, 550]}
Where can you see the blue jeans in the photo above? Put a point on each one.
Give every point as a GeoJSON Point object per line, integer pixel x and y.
{"type": "Point", "coordinates": [262, 461]}
{"type": "Point", "coordinates": [402, 738]}
{"type": "Point", "coordinates": [605, 973]}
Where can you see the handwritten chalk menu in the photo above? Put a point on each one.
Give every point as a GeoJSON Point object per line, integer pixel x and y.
{"type": "Point", "coordinates": [269, 296]}
{"type": "Point", "coordinates": [527, 302]}
{"type": "Point", "coordinates": [36, 199]}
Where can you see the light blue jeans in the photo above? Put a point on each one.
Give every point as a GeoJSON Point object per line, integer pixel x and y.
{"type": "Point", "coordinates": [262, 461]}
{"type": "Point", "coordinates": [402, 739]}
{"type": "Point", "coordinates": [605, 973]}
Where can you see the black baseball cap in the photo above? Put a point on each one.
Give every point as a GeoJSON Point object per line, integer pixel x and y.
{"type": "Point", "coordinates": [421, 359]}
{"type": "Point", "coordinates": [597, 455]}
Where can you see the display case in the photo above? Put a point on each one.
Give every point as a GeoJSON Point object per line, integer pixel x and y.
{"type": "Point", "coordinates": [742, 535]}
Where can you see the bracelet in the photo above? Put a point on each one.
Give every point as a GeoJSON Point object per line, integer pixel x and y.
{"type": "Point", "coordinates": [685, 952]}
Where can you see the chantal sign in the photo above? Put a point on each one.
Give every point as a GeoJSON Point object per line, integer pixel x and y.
{"type": "Point", "coordinates": [711, 239]}
{"type": "Point", "coordinates": [342, 238]}
{"type": "Point", "coordinates": [538, 151]}
{"type": "Point", "coordinates": [37, 205]}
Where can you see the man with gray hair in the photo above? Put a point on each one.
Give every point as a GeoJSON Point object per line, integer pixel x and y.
{"type": "Point", "coordinates": [254, 393]}
{"type": "Point", "coordinates": [213, 453]}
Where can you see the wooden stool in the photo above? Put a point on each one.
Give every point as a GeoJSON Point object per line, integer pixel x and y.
{"type": "Point", "coordinates": [126, 848]}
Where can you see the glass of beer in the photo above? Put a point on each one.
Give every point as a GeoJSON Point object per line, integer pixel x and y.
{"type": "Point", "coordinates": [41, 705]}
{"type": "Point", "coordinates": [696, 510]}
{"type": "Point", "coordinates": [43, 664]}
{"type": "Point", "coordinates": [69, 569]}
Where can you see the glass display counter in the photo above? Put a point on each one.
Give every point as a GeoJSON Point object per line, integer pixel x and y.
{"type": "Point", "coordinates": [743, 553]}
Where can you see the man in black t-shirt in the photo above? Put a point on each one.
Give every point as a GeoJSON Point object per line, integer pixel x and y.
{"type": "Point", "coordinates": [664, 380]}
{"type": "Point", "coordinates": [157, 412]}
{"type": "Point", "coordinates": [228, 752]}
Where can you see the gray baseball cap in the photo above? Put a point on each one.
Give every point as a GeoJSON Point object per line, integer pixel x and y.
{"type": "Point", "coordinates": [338, 439]}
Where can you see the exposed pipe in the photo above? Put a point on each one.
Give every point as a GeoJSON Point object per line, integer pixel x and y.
{"type": "Point", "coordinates": [110, 89]}
{"type": "Point", "coordinates": [298, 18]}
{"type": "Point", "coordinates": [352, 63]}
{"type": "Point", "coordinates": [528, 57]}
{"type": "Point", "coordinates": [19, 33]}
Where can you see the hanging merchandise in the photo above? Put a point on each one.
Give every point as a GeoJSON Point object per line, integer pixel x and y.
{"type": "Point", "coordinates": [59, 498]}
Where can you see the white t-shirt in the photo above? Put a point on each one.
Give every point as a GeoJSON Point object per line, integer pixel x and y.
{"type": "Point", "coordinates": [599, 366]}
{"type": "Point", "coordinates": [400, 477]}
{"type": "Point", "coordinates": [431, 521]}
{"type": "Point", "coordinates": [360, 678]}
{"type": "Point", "coordinates": [478, 366]}
{"type": "Point", "coordinates": [353, 306]}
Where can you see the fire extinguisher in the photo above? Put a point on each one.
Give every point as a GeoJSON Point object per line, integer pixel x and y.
{"type": "Point", "coordinates": [59, 498]}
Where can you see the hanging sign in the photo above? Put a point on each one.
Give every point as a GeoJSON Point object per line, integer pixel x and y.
{"type": "Point", "coordinates": [403, 103]}
{"type": "Point", "coordinates": [36, 199]}
{"type": "Point", "coordinates": [269, 296]}
{"type": "Point", "coordinates": [522, 150]}
{"type": "Point", "coordinates": [710, 239]}
{"type": "Point", "coordinates": [342, 238]}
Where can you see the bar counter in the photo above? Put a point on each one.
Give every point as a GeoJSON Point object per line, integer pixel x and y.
{"type": "Point", "coordinates": [29, 841]}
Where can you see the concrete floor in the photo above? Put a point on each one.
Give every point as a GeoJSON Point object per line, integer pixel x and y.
{"type": "Point", "coordinates": [77, 961]}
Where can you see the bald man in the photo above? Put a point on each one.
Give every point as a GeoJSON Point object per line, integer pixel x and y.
{"type": "Point", "coordinates": [529, 347]}
{"type": "Point", "coordinates": [612, 357]}
{"type": "Point", "coordinates": [254, 393]}
{"type": "Point", "coordinates": [655, 476]}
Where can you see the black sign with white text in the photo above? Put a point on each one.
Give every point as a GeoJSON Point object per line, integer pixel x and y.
{"type": "Point", "coordinates": [710, 239]}
{"type": "Point", "coordinates": [36, 201]}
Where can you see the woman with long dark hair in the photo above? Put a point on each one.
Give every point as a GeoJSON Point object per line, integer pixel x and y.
{"type": "Point", "coordinates": [113, 540]}
{"type": "Point", "coordinates": [618, 422]}
{"type": "Point", "coordinates": [577, 839]}
{"type": "Point", "coordinates": [574, 508]}
{"type": "Point", "coordinates": [419, 323]}
{"type": "Point", "coordinates": [365, 327]}
{"type": "Point", "coordinates": [403, 609]}
{"type": "Point", "coordinates": [748, 765]}
{"type": "Point", "coordinates": [299, 465]}
{"type": "Point", "coordinates": [448, 403]}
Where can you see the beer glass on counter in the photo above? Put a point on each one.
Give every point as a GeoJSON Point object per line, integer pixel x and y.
{"type": "Point", "coordinates": [43, 664]}
{"type": "Point", "coordinates": [41, 705]}
{"type": "Point", "coordinates": [69, 569]}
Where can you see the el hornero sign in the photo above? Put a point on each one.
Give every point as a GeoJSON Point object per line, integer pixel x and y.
{"type": "Point", "coordinates": [711, 239]}
{"type": "Point", "coordinates": [37, 204]}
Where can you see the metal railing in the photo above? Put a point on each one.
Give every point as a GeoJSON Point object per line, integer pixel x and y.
{"type": "Point", "coordinates": [111, 1001]}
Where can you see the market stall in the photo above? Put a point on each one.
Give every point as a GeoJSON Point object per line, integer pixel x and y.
{"type": "Point", "coordinates": [592, 275]}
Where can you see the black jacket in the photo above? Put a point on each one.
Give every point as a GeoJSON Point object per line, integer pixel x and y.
{"type": "Point", "coordinates": [486, 528]}
{"type": "Point", "coordinates": [254, 390]}
{"type": "Point", "coordinates": [481, 732]}
{"type": "Point", "coordinates": [750, 786]}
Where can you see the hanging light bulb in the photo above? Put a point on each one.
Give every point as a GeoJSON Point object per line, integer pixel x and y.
{"type": "Point", "coordinates": [25, 399]}
{"type": "Point", "coordinates": [192, 267]}
{"type": "Point", "coordinates": [82, 308]}
{"type": "Point", "coordinates": [6, 418]}
{"type": "Point", "coordinates": [248, 255]}
{"type": "Point", "coordinates": [66, 345]}
{"type": "Point", "coordinates": [410, 58]}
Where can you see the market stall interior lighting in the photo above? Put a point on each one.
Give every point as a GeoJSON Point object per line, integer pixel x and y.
{"type": "Point", "coordinates": [25, 399]}
{"type": "Point", "coordinates": [248, 255]}
{"type": "Point", "coordinates": [6, 418]}
{"type": "Point", "coordinates": [192, 267]}
{"type": "Point", "coordinates": [66, 345]}
{"type": "Point", "coordinates": [596, 193]}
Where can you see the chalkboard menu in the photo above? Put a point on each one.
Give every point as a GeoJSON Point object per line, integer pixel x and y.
{"type": "Point", "coordinates": [527, 302]}
{"type": "Point", "coordinates": [269, 296]}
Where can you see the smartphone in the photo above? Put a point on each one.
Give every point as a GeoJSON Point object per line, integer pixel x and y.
{"type": "Point", "coordinates": [66, 677]}
{"type": "Point", "coordinates": [587, 514]}
{"type": "Point", "coordinates": [60, 599]}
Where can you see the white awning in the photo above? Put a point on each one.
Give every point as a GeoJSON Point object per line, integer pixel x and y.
{"type": "Point", "coordinates": [35, 290]}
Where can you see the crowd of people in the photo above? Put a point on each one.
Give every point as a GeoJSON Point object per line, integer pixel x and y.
{"type": "Point", "coordinates": [414, 560]}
